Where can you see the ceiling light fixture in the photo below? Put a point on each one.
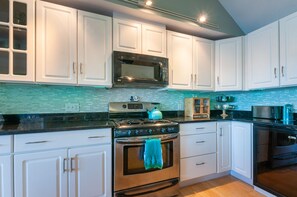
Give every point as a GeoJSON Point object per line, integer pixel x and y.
{"type": "Point", "coordinates": [202, 19]}
{"type": "Point", "coordinates": [148, 3]}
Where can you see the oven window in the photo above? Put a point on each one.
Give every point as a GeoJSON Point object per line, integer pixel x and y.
{"type": "Point", "coordinates": [133, 158]}
{"type": "Point", "coordinates": [138, 71]}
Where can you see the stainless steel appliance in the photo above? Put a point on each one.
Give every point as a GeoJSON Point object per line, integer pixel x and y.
{"type": "Point", "coordinates": [267, 112]}
{"type": "Point", "coordinates": [130, 176]}
{"type": "Point", "coordinates": [137, 70]}
{"type": "Point", "coordinates": [275, 156]}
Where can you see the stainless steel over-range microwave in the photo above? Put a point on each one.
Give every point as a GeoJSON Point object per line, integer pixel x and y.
{"type": "Point", "coordinates": [137, 70]}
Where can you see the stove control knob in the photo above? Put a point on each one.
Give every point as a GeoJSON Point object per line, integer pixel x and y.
{"type": "Point", "coordinates": [129, 132]}
{"type": "Point", "coordinates": [163, 130]}
{"type": "Point", "coordinates": [136, 132]}
{"type": "Point", "coordinates": [124, 106]}
{"type": "Point", "coordinates": [150, 131]}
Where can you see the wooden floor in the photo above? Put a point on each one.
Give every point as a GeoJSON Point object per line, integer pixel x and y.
{"type": "Point", "coordinates": [226, 186]}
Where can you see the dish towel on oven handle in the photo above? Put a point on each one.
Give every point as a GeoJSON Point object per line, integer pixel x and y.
{"type": "Point", "coordinates": [153, 154]}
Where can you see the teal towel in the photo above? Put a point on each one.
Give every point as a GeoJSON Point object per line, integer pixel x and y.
{"type": "Point", "coordinates": [153, 154]}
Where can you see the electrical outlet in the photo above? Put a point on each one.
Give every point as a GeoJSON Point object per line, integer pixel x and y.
{"type": "Point", "coordinates": [72, 107]}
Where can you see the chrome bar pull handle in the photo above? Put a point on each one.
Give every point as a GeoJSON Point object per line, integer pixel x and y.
{"type": "Point", "coordinates": [218, 80]}
{"type": "Point", "coordinates": [65, 164]}
{"type": "Point", "coordinates": [81, 68]}
{"type": "Point", "coordinates": [72, 165]}
{"type": "Point", "coordinates": [96, 137]}
{"type": "Point", "coordinates": [275, 73]}
{"type": "Point", "coordinates": [283, 74]}
{"type": "Point", "coordinates": [37, 142]}
{"type": "Point", "coordinates": [200, 128]}
{"type": "Point", "coordinates": [195, 79]}
{"type": "Point", "coordinates": [191, 78]}
{"type": "Point", "coordinates": [73, 67]}
{"type": "Point", "coordinates": [199, 164]}
{"type": "Point", "coordinates": [199, 142]}
{"type": "Point", "coordinates": [221, 131]}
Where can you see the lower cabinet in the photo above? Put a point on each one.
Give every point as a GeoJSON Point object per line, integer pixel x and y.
{"type": "Point", "coordinates": [6, 176]}
{"type": "Point", "coordinates": [242, 149]}
{"type": "Point", "coordinates": [76, 163]}
{"type": "Point", "coordinates": [224, 146]}
{"type": "Point", "coordinates": [198, 150]}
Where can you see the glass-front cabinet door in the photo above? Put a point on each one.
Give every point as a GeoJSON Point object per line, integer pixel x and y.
{"type": "Point", "coordinates": [17, 26]}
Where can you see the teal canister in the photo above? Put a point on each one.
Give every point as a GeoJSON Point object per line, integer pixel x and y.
{"type": "Point", "coordinates": [288, 113]}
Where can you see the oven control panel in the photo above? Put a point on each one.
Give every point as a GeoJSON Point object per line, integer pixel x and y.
{"type": "Point", "coordinates": [145, 131]}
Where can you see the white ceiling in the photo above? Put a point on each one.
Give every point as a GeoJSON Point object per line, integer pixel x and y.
{"type": "Point", "coordinates": [254, 14]}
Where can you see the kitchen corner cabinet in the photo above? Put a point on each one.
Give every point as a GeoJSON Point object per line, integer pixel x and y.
{"type": "Point", "coordinates": [288, 50]}
{"type": "Point", "coordinates": [6, 166]}
{"type": "Point", "coordinates": [228, 64]}
{"type": "Point", "coordinates": [224, 161]}
{"type": "Point", "coordinates": [76, 163]}
{"type": "Point", "coordinates": [198, 150]}
{"type": "Point", "coordinates": [263, 57]}
{"type": "Point", "coordinates": [180, 55]}
{"type": "Point", "coordinates": [17, 40]}
{"type": "Point", "coordinates": [203, 64]}
{"type": "Point", "coordinates": [137, 37]}
{"type": "Point", "coordinates": [242, 149]}
{"type": "Point", "coordinates": [61, 58]}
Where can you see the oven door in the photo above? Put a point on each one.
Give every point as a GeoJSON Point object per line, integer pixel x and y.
{"type": "Point", "coordinates": [129, 168]}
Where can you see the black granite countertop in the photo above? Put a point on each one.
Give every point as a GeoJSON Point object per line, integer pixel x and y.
{"type": "Point", "coordinates": [23, 124]}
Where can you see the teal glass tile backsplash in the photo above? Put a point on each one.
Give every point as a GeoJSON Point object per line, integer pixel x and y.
{"type": "Point", "coordinates": [23, 98]}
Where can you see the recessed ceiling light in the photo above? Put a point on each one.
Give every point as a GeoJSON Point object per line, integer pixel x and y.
{"type": "Point", "coordinates": [148, 3]}
{"type": "Point", "coordinates": [202, 19]}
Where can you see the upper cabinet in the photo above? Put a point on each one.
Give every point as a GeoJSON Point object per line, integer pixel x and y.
{"type": "Point", "coordinates": [137, 37]}
{"type": "Point", "coordinates": [180, 55]}
{"type": "Point", "coordinates": [229, 64]}
{"type": "Point", "coordinates": [17, 40]}
{"type": "Point", "coordinates": [61, 58]}
{"type": "Point", "coordinates": [263, 57]}
{"type": "Point", "coordinates": [288, 50]}
{"type": "Point", "coordinates": [203, 64]}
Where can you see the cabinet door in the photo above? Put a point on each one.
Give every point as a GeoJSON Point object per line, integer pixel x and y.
{"type": "Point", "coordinates": [90, 171]}
{"type": "Point", "coordinates": [242, 149]}
{"type": "Point", "coordinates": [126, 36]}
{"type": "Point", "coordinates": [17, 40]}
{"type": "Point", "coordinates": [203, 64]}
{"type": "Point", "coordinates": [288, 50]}
{"type": "Point", "coordinates": [229, 64]}
{"type": "Point", "coordinates": [180, 55]}
{"type": "Point", "coordinates": [40, 174]}
{"type": "Point", "coordinates": [153, 40]}
{"type": "Point", "coordinates": [224, 146]}
{"type": "Point", "coordinates": [6, 176]}
{"type": "Point", "coordinates": [263, 57]}
{"type": "Point", "coordinates": [94, 49]}
{"type": "Point", "coordinates": [55, 43]}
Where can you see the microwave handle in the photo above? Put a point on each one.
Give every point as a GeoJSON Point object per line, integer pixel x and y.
{"type": "Point", "coordinates": [142, 140]}
{"type": "Point", "coordinates": [161, 70]}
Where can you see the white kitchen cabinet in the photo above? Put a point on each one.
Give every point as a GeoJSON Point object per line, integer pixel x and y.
{"type": "Point", "coordinates": [224, 161]}
{"type": "Point", "coordinates": [70, 50]}
{"type": "Point", "coordinates": [180, 55]}
{"type": "Point", "coordinates": [56, 34]}
{"type": "Point", "coordinates": [17, 41]}
{"type": "Point", "coordinates": [242, 149]}
{"type": "Point", "coordinates": [263, 57]}
{"type": "Point", "coordinates": [197, 150]}
{"type": "Point", "coordinates": [94, 49]}
{"type": "Point", "coordinates": [203, 64]}
{"type": "Point", "coordinates": [138, 37]}
{"type": "Point", "coordinates": [91, 171]}
{"type": "Point", "coordinates": [288, 50]}
{"type": "Point", "coordinates": [228, 64]}
{"type": "Point", "coordinates": [76, 163]}
{"type": "Point", "coordinates": [41, 174]}
{"type": "Point", "coordinates": [6, 166]}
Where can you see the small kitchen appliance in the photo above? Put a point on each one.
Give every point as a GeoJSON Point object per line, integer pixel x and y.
{"type": "Point", "coordinates": [132, 131]}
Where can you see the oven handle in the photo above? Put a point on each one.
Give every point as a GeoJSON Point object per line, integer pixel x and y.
{"type": "Point", "coordinates": [137, 140]}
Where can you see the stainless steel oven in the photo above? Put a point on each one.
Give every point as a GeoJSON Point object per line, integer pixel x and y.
{"type": "Point", "coordinates": [130, 171]}
{"type": "Point", "coordinates": [137, 70]}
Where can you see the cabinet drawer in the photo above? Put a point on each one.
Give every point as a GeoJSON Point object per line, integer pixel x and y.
{"type": "Point", "coordinates": [43, 141]}
{"type": "Point", "coordinates": [199, 166]}
{"type": "Point", "coordinates": [196, 128]}
{"type": "Point", "coordinates": [5, 144]}
{"type": "Point", "coordinates": [193, 145]}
